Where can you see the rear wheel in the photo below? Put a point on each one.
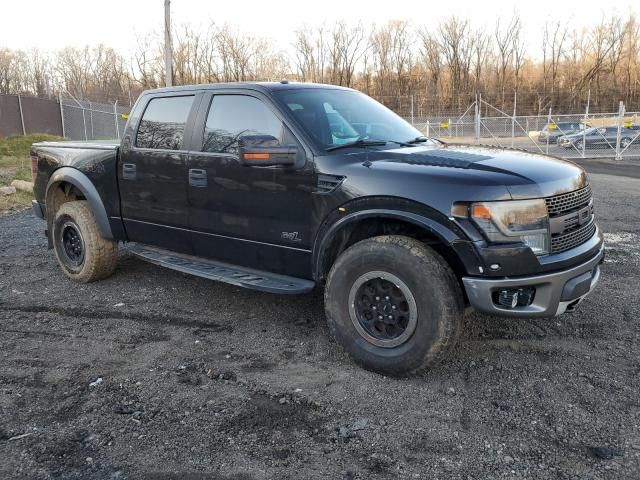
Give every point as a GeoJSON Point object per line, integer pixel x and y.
{"type": "Point", "coordinates": [625, 142]}
{"type": "Point", "coordinates": [393, 304]}
{"type": "Point", "coordinates": [82, 253]}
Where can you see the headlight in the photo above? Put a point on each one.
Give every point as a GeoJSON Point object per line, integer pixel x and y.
{"type": "Point", "coordinates": [510, 221]}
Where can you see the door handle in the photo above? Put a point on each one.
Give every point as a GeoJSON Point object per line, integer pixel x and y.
{"type": "Point", "coordinates": [129, 171]}
{"type": "Point", "coordinates": [197, 177]}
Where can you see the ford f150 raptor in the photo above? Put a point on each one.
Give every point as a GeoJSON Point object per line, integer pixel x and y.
{"type": "Point", "coordinates": [283, 187]}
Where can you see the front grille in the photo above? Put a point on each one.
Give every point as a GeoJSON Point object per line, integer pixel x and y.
{"type": "Point", "coordinates": [573, 238]}
{"type": "Point", "coordinates": [566, 209]}
{"type": "Point", "coordinates": [568, 202]}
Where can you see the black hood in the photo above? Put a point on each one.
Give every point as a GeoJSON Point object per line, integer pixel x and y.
{"type": "Point", "coordinates": [438, 175]}
{"type": "Point", "coordinates": [524, 174]}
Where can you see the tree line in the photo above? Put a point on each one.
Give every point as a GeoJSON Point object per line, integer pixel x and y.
{"type": "Point", "coordinates": [441, 69]}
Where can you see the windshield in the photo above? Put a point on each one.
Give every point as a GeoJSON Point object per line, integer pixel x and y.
{"type": "Point", "coordinates": [335, 117]}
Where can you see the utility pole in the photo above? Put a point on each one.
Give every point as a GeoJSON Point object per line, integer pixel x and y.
{"type": "Point", "coordinates": [168, 65]}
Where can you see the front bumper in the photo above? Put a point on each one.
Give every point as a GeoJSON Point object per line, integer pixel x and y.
{"type": "Point", "coordinates": [555, 294]}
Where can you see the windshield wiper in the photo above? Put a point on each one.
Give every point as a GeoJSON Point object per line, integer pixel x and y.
{"type": "Point", "coordinates": [361, 142]}
{"type": "Point", "coordinates": [417, 140]}
{"type": "Point", "coordinates": [402, 144]}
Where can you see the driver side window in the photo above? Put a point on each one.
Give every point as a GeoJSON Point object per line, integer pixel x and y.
{"type": "Point", "coordinates": [232, 117]}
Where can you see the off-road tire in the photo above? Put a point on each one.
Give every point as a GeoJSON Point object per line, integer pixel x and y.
{"type": "Point", "coordinates": [99, 256]}
{"type": "Point", "coordinates": [437, 294]}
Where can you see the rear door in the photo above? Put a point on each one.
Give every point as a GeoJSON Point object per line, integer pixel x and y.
{"type": "Point", "coordinates": [152, 173]}
{"type": "Point", "coordinates": [248, 215]}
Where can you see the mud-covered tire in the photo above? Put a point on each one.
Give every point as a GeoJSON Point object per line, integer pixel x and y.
{"type": "Point", "coordinates": [82, 253]}
{"type": "Point", "coordinates": [428, 279]}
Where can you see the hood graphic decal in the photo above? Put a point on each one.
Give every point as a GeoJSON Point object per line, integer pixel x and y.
{"type": "Point", "coordinates": [436, 158]}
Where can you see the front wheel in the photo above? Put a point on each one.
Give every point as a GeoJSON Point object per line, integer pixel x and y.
{"type": "Point", "coordinates": [393, 304]}
{"type": "Point", "coordinates": [82, 253]}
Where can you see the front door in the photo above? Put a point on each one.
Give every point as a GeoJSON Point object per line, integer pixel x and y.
{"type": "Point", "coordinates": [152, 174]}
{"type": "Point", "coordinates": [248, 215]}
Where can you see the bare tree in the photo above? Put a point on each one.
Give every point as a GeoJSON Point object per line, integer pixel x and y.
{"type": "Point", "coordinates": [347, 46]}
{"type": "Point", "coordinates": [13, 65]}
{"type": "Point", "coordinates": [518, 54]}
{"type": "Point", "coordinates": [311, 54]}
{"type": "Point", "coordinates": [553, 43]}
{"type": "Point", "coordinates": [631, 52]}
{"type": "Point", "coordinates": [481, 52]}
{"type": "Point", "coordinates": [504, 43]}
{"type": "Point", "coordinates": [442, 66]}
{"type": "Point", "coordinates": [458, 51]}
{"type": "Point", "coordinates": [38, 73]}
{"type": "Point", "coordinates": [147, 65]}
{"type": "Point", "coordinates": [616, 31]}
{"type": "Point", "coordinates": [603, 40]}
{"type": "Point", "coordinates": [431, 54]}
{"type": "Point", "coordinates": [381, 50]}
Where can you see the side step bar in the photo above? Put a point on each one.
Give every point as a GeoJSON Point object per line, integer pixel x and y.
{"type": "Point", "coordinates": [222, 272]}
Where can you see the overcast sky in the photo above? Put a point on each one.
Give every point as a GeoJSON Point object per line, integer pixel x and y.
{"type": "Point", "coordinates": [49, 24]}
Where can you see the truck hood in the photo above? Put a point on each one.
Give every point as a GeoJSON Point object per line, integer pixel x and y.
{"type": "Point", "coordinates": [522, 174]}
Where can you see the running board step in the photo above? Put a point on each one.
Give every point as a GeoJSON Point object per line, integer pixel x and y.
{"type": "Point", "coordinates": [222, 272]}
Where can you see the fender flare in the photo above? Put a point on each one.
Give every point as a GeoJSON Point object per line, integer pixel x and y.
{"type": "Point", "coordinates": [82, 183]}
{"type": "Point", "coordinates": [440, 231]}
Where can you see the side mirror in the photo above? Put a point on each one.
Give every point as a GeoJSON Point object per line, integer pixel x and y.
{"type": "Point", "coordinates": [265, 151]}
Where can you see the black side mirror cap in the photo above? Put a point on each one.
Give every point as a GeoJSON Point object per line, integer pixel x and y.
{"type": "Point", "coordinates": [265, 151]}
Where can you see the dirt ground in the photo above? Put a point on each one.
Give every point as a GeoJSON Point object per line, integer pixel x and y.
{"type": "Point", "coordinates": [153, 374]}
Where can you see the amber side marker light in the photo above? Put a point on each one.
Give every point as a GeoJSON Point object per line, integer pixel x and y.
{"type": "Point", "coordinates": [481, 211]}
{"type": "Point", "coordinates": [460, 210]}
{"type": "Point", "coordinates": [256, 156]}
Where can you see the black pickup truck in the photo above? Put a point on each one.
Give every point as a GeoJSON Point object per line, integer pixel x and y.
{"type": "Point", "coordinates": [284, 187]}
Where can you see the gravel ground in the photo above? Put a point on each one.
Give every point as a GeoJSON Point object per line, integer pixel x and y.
{"type": "Point", "coordinates": [155, 374]}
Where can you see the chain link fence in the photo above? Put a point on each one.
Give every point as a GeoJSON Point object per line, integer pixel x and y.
{"type": "Point", "coordinates": [578, 135]}
{"type": "Point", "coordinates": [86, 120]}
{"type": "Point", "coordinates": [63, 116]}
{"type": "Point", "coordinates": [581, 135]}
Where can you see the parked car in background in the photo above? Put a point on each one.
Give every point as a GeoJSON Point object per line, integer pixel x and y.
{"type": "Point", "coordinates": [553, 131]}
{"type": "Point", "coordinates": [599, 137]}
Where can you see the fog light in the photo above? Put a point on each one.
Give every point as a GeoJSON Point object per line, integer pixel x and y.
{"type": "Point", "coordinates": [515, 297]}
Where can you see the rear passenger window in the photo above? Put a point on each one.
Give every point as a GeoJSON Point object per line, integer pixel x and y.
{"type": "Point", "coordinates": [163, 122]}
{"type": "Point", "coordinates": [234, 116]}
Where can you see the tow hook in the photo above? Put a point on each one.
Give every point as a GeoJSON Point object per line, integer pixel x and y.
{"type": "Point", "coordinates": [516, 297]}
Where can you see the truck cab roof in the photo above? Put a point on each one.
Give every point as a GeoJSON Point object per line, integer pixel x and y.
{"type": "Point", "coordinates": [260, 86]}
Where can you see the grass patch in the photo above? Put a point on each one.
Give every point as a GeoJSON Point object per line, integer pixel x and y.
{"type": "Point", "coordinates": [20, 146]}
{"type": "Point", "coordinates": [15, 164]}
{"type": "Point", "coordinates": [15, 203]}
